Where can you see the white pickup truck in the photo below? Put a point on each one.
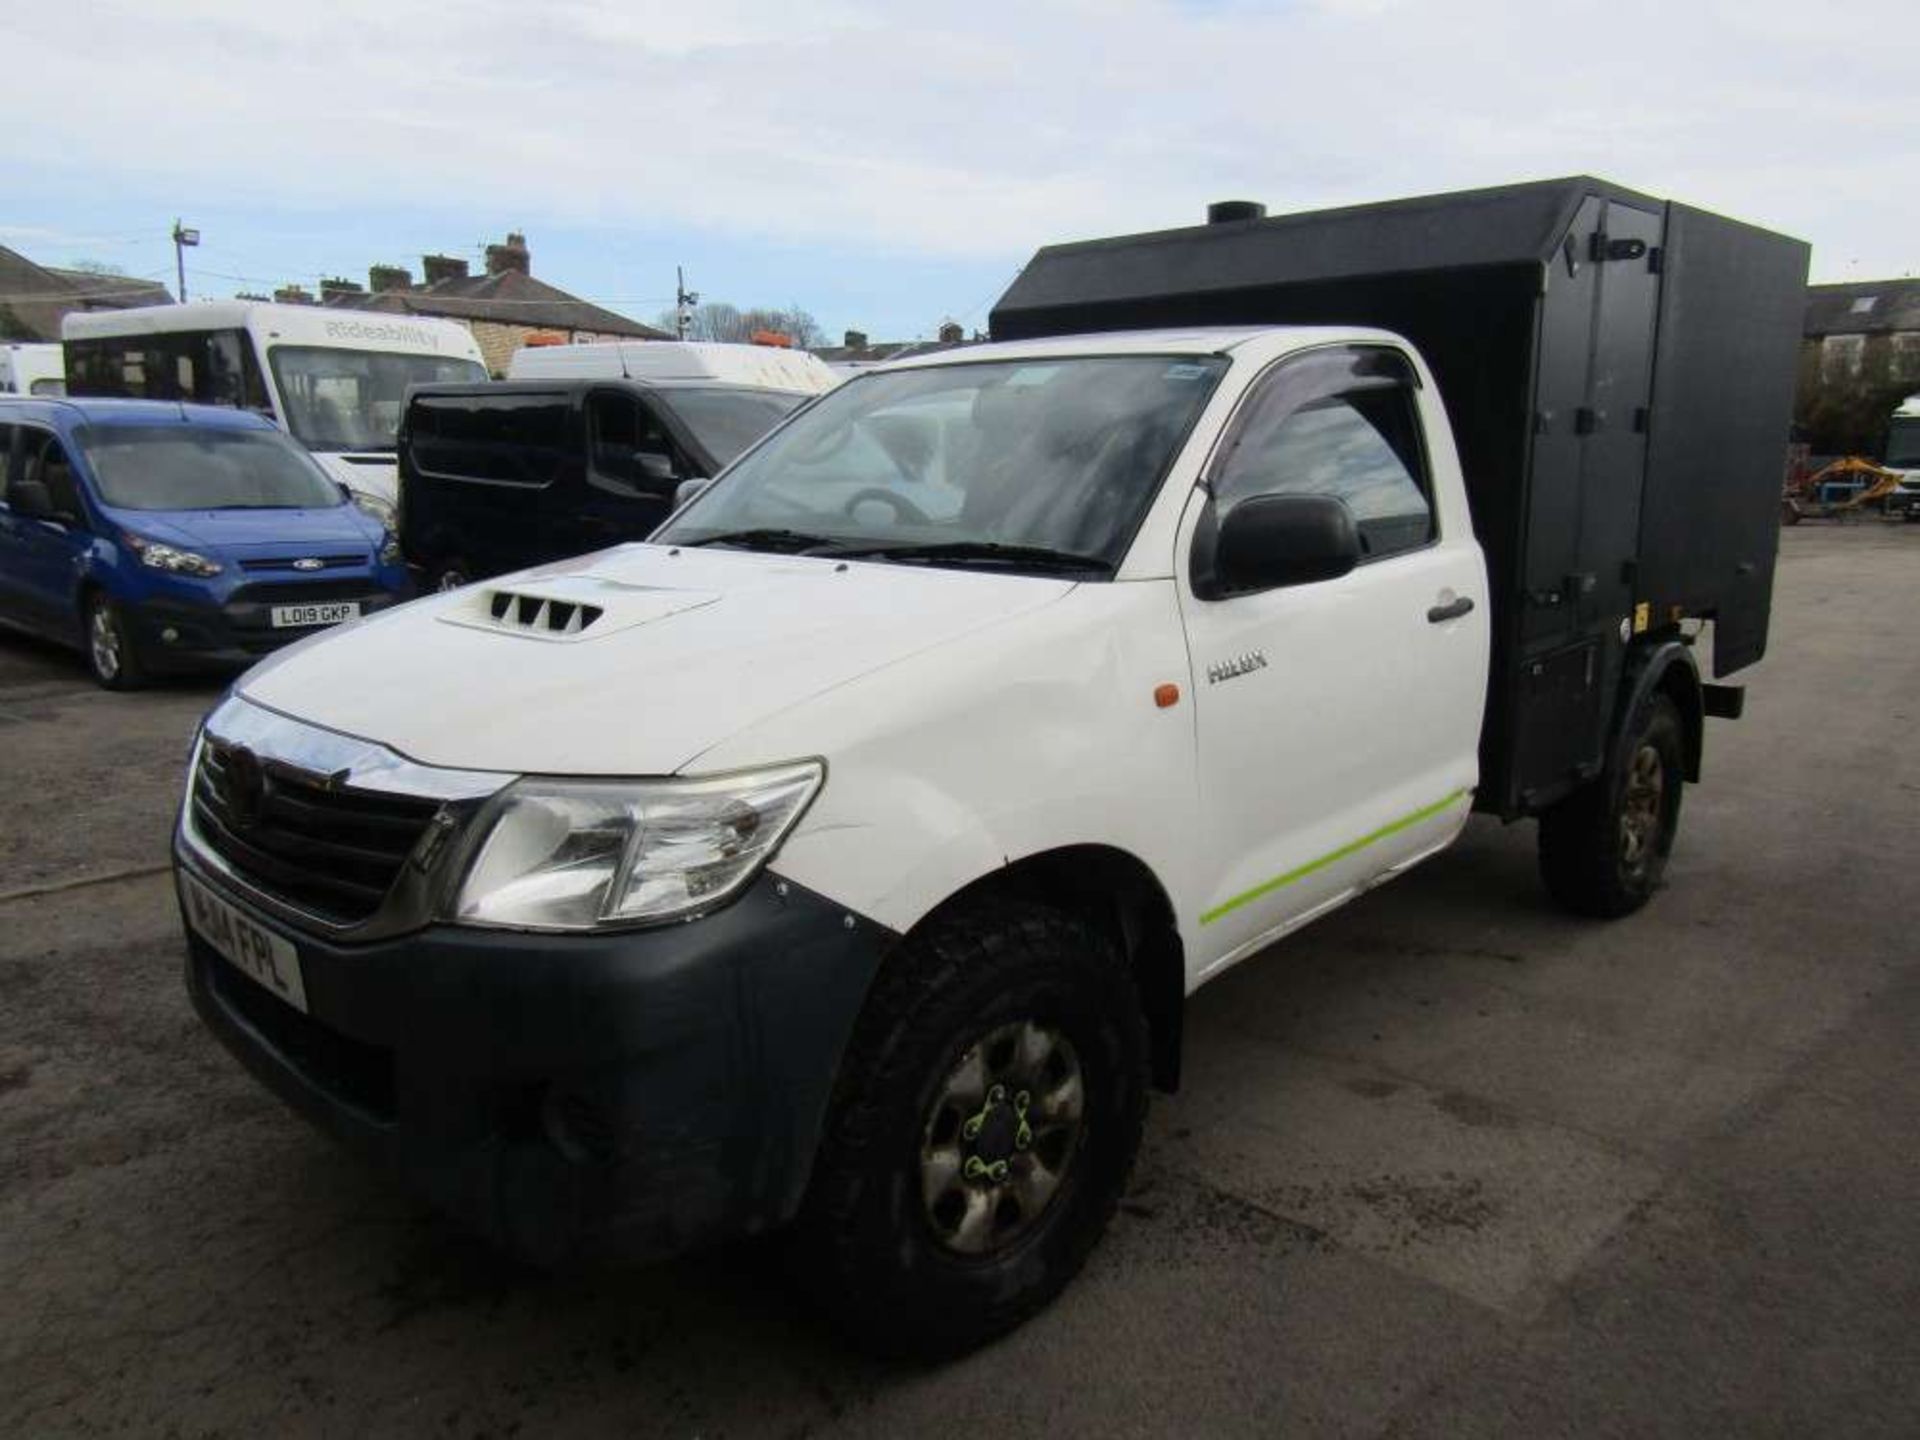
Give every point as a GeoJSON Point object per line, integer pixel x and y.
{"type": "Point", "coordinates": [840, 859]}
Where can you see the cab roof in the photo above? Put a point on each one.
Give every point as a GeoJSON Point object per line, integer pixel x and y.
{"type": "Point", "coordinates": [100, 410]}
{"type": "Point", "coordinates": [1192, 340]}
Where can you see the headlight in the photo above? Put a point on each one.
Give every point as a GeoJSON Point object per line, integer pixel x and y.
{"type": "Point", "coordinates": [376, 507]}
{"type": "Point", "coordinates": [389, 549]}
{"type": "Point", "coordinates": [166, 557]}
{"type": "Point", "coordinates": [593, 854]}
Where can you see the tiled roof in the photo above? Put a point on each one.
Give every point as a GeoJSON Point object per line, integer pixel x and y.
{"type": "Point", "coordinates": [511, 297]}
{"type": "Point", "coordinates": [33, 298]}
{"type": "Point", "coordinates": [1864, 307]}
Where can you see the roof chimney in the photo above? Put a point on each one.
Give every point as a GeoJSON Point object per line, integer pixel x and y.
{"type": "Point", "coordinates": [335, 287]}
{"type": "Point", "coordinates": [293, 295]}
{"type": "Point", "coordinates": [952, 333]}
{"type": "Point", "coordinates": [1225, 212]}
{"type": "Point", "coordinates": [442, 267]}
{"type": "Point", "coordinates": [382, 278]}
{"type": "Point", "coordinates": [512, 255]}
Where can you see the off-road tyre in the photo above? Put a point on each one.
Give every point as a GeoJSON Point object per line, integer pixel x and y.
{"type": "Point", "coordinates": [865, 1247]}
{"type": "Point", "coordinates": [112, 654]}
{"type": "Point", "coordinates": [1589, 858]}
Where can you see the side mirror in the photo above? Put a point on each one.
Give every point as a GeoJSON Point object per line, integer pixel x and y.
{"type": "Point", "coordinates": [690, 491]}
{"type": "Point", "coordinates": [346, 490]}
{"type": "Point", "coordinates": [1273, 540]}
{"type": "Point", "coordinates": [653, 465]}
{"type": "Point", "coordinates": [29, 498]}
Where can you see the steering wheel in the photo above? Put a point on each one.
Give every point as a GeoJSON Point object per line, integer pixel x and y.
{"type": "Point", "coordinates": [903, 508]}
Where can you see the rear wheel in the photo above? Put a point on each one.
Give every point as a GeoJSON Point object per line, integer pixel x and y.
{"type": "Point", "coordinates": [986, 1119]}
{"type": "Point", "coordinates": [111, 653]}
{"type": "Point", "coordinates": [1604, 847]}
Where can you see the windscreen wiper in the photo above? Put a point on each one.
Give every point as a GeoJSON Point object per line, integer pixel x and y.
{"type": "Point", "coordinates": [985, 552]}
{"type": "Point", "coordinates": [766, 538]}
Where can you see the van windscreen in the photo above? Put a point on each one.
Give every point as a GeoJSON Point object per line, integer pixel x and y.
{"type": "Point", "coordinates": [727, 421]}
{"type": "Point", "coordinates": [506, 439]}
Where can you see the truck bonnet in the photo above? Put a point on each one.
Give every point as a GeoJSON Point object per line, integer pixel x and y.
{"type": "Point", "coordinates": [632, 661]}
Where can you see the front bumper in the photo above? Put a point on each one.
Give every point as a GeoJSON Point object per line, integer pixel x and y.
{"type": "Point", "coordinates": [178, 634]}
{"type": "Point", "coordinates": [630, 1094]}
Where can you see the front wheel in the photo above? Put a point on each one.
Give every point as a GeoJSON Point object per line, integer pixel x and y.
{"type": "Point", "coordinates": [1604, 847]}
{"type": "Point", "coordinates": [986, 1119]}
{"type": "Point", "coordinates": [451, 575]}
{"type": "Point", "coordinates": [111, 655]}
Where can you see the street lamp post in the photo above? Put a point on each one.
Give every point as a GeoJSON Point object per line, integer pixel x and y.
{"type": "Point", "coordinates": [182, 237]}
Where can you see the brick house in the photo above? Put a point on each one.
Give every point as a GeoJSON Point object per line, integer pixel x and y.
{"type": "Point", "coordinates": [1859, 357]}
{"type": "Point", "coordinates": [505, 308]}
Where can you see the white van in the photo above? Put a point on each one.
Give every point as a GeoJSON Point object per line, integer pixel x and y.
{"type": "Point", "coordinates": [765, 367]}
{"type": "Point", "coordinates": [336, 380]}
{"type": "Point", "coordinates": [27, 369]}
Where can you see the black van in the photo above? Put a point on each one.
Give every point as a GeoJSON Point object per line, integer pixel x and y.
{"type": "Point", "coordinates": [498, 476]}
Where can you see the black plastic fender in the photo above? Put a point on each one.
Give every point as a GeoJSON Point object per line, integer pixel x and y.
{"type": "Point", "coordinates": [1662, 667]}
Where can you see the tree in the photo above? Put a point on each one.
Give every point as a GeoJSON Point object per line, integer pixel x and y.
{"type": "Point", "coordinates": [719, 320]}
{"type": "Point", "coordinates": [95, 267]}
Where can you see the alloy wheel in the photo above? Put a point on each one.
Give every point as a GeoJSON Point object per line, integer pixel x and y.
{"type": "Point", "coordinates": [1001, 1138]}
{"type": "Point", "coordinates": [103, 641]}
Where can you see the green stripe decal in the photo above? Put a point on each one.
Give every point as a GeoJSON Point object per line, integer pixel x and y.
{"type": "Point", "coordinates": [1267, 887]}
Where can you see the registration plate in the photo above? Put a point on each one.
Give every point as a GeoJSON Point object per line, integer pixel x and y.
{"type": "Point", "coordinates": [255, 950]}
{"type": "Point", "coordinates": [290, 617]}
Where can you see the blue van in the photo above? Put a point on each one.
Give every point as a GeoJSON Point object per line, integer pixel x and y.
{"type": "Point", "coordinates": [155, 536]}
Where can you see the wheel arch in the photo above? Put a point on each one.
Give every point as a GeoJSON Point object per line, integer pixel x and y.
{"type": "Point", "coordinates": [1668, 669]}
{"type": "Point", "coordinates": [1121, 894]}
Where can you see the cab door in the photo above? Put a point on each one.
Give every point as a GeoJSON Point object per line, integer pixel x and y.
{"type": "Point", "coordinates": [633, 469]}
{"type": "Point", "coordinates": [44, 552]}
{"type": "Point", "coordinates": [10, 530]}
{"type": "Point", "coordinates": [1337, 721]}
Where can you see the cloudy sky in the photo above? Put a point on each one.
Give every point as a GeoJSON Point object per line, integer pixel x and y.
{"type": "Point", "coordinates": [886, 170]}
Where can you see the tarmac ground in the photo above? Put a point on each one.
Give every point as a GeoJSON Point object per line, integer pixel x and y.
{"type": "Point", "coordinates": [1447, 1162]}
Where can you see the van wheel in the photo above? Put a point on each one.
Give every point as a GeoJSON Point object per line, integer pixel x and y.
{"type": "Point", "coordinates": [111, 654]}
{"type": "Point", "coordinates": [983, 1127]}
{"type": "Point", "coordinates": [451, 575]}
{"type": "Point", "coordinates": [1604, 847]}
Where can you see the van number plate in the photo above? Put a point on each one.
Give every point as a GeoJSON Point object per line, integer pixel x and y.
{"type": "Point", "coordinates": [259, 953]}
{"type": "Point", "coordinates": [288, 617]}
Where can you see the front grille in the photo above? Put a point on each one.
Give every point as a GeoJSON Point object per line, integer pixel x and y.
{"type": "Point", "coordinates": [328, 850]}
{"type": "Point", "coordinates": [351, 1071]}
{"type": "Point", "coordinates": [327, 562]}
{"type": "Point", "coordinates": [303, 592]}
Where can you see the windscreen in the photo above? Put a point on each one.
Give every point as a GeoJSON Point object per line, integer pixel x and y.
{"type": "Point", "coordinates": [181, 467]}
{"type": "Point", "coordinates": [726, 422]}
{"type": "Point", "coordinates": [1053, 459]}
{"type": "Point", "coordinates": [1903, 442]}
{"type": "Point", "coordinates": [338, 399]}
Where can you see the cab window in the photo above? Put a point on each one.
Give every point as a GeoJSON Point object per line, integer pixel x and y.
{"type": "Point", "coordinates": [631, 451]}
{"type": "Point", "coordinates": [44, 459]}
{"type": "Point", "coordinates": [1343, 423]}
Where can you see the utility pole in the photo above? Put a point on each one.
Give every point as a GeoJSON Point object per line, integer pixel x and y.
{"type": "Point", "coordinates": [182, 237]}
{"type": "Point", "coordinates": [683, 302]}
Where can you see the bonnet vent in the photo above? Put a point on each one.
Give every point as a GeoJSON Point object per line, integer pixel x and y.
{"type": "Point", "coordinates": [540, 614]}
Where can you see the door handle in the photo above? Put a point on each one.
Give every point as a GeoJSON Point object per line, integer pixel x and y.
{"type": "Point", "coordinates": [1452, 610]}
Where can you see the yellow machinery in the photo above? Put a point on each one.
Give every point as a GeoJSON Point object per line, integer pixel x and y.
{"type": "Point", "coordinates": [1833, 491]}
